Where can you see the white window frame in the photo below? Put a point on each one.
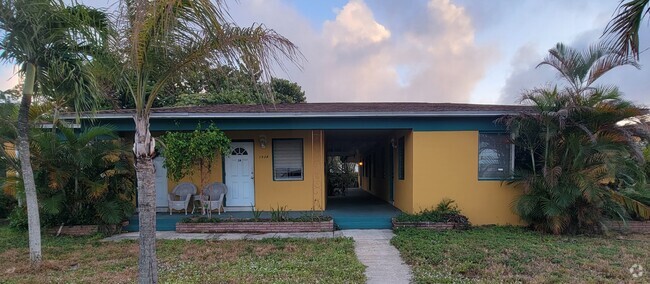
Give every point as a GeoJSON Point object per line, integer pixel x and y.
{"type": "Point", "coordinates": [302, 160]}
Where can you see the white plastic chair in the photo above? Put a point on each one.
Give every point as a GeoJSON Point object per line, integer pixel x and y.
{"type": "Point", "coordinates": [212, 197]}
{"type": "Point", "coordinates": [179, 198]}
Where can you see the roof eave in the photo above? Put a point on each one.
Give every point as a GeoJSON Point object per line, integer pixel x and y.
{"type": "Point", "coordinates": [172, 115]}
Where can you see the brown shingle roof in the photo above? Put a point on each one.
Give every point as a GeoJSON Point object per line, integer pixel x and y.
{"type": "Point", "coordinates": [315, 108]}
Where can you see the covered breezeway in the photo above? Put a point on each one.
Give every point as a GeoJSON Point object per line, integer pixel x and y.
{"type": "Point", "coordinates": [372, 156]}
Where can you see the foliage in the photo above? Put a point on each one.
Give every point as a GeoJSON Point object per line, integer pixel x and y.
{"type": "Point", "coordinates": [623, 29]}
{"type": "Point", "coordinates": [257, 214]}
{"type": "Point", "coordinates": [82, 178]}
{"type": "Point", "coordinates": [517, 255]}
{"type": "Point", "coordinates": [635, 201]}
{"type": "Point", "coordinates": [279, 214]}
{"type": "Point", "coordinates": [201, 86]}
{"type": "Point", "coordinates": [185, 151]}
{"type": "Point", "coordinates": [576, 153]}
{"type": "Point", "coordinates": [445, 211]}
{"type": "Point", "coordinates": [340, 174]}
{"type": "Point", "coordinates": [18, 219]}
{"type": "Point", "coordinates": [7, 203]}
{"type": "Point", "coordinates": [226, 85]}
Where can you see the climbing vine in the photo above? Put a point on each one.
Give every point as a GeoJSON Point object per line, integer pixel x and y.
{"type": "Point", "coordinates": [185, 151]}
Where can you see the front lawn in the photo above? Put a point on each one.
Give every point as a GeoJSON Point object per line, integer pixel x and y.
{"type": "Point", "coordinates": [87, 260]}
{"type": "Point", "coordinates": [508, 254]}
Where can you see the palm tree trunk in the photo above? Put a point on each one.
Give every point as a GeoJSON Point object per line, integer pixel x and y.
{"type": "Point", "coordinates": [143, 148]}
{"type": "Point", "coordinates": [34, 222]}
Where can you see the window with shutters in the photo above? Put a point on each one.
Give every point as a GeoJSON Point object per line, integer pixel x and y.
{"type": "Point", "coordinates": [288, 162]}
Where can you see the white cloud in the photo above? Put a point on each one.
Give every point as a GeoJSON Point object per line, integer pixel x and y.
{"type": "Point", "coordinates": [356, 57]}
{"type": "Point", "coordinates": [354, 27]}
{"type": "Point", "coordinates": [631, 82]}
{"type": "Point", "coordinates": [8, 77]}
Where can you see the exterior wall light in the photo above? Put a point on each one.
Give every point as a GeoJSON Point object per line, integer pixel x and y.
{"type": "Point", "coordinates": [263, 141]}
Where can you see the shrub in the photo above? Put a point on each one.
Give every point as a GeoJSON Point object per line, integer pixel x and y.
{"type": "Point", "coordinates": [83, 178]}
{"type": "Point", "coordinates": [18, 219]}
{"type": "Point", "coordinates": [574, 145]}
{"type": "Point", "coordinates": [7, 204]}
{"type": "Point", "coordinates": [445, 211]}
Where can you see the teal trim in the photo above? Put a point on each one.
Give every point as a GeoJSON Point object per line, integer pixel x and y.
{"type": "Point", "coordinates": [301, 123]}
{"type": "Point", "coordinates": [302, 155]}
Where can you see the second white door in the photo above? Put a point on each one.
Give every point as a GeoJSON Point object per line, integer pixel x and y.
{"type": "Point", "coordinates": [240, 175]}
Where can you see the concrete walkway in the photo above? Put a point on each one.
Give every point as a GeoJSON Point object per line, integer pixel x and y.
{"type": "Point", "coordinates": [373, 249]}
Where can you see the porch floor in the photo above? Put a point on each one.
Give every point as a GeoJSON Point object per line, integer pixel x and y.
{"type": "Point", "coordinates": [358, 209]}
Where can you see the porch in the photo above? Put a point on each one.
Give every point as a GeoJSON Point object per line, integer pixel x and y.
{"type": "Point", "coordinates": [356, 210]}
{"type": "Point", "coordinates": [359, 209]}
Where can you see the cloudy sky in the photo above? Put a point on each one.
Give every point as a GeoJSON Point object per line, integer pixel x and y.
{"type": "Point", "coordinates": [430, 50]}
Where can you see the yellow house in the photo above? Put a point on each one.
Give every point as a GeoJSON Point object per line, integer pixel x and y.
{"type": "Point", "coordinates": [410, 156]}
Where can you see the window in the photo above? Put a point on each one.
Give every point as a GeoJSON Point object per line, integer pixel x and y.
{"type": "Point", "coordinates": [287, 159]}
{"type": "Point", "coordinates": [400, 158]}
{"type": "Point", "coordinates": [495, 156]}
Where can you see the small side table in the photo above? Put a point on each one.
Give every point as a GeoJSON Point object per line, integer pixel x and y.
{"type": "Point", "coordinates": [196, 201]}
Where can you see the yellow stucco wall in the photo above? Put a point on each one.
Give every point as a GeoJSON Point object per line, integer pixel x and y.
{"type": "Point", "coordinates": [308, 194]}
{"type": "Point", "coordinates": [445, 165]}
{"type": "Point", "coordinates": [380, 184]}
{"type": "Point", "coordinates": [403, 192]}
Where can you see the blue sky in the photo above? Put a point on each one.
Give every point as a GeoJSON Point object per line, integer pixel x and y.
{"type": "Point", "coordinates": [430, 50]}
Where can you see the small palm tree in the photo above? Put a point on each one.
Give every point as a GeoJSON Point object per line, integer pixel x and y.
{"type": "Point", "coordinates": [85, 177]}
{"type": "Point", "coordinates": [49, 41]}
{"type": "Point", "coordinates": [623, 29]}
{"type": "Point", "coordinates": [158, 41]}
{"type": "Point", "coordinates": [574, 145]}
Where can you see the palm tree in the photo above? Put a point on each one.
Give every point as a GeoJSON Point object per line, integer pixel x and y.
{"type": "Point", "coordinates": [84, 177]}
{"type": "Point", "coordinates": [157, 42]}
{"type": "Point", "coordinates": [574, 144]}
{"type": "Point", "coordinates": [623, 29]}
{"type": "Point", "coordinates": [49, 41]}
{"type": "Point", "coordinates": [580, 69]}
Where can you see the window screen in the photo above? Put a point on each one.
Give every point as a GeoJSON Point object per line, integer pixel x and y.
{"type": "Point", "coordinates": [287, 159]}
{"type": "Point", "coordinates": [495, 156]}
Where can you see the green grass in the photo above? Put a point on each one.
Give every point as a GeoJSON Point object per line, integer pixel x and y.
{"type": "Point", "coordinates": [87, 260]}
{"type": "Point", "coordinates": [509, 254]}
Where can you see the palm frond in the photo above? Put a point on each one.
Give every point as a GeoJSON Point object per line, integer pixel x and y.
{"type": "Point", "coordinates": [622, 32]}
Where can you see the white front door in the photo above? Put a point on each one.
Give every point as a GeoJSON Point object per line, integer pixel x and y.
{"type": "Point", "coordinates": [161, 182]}
{"type": "Point", "coordinates": [240, 175]}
